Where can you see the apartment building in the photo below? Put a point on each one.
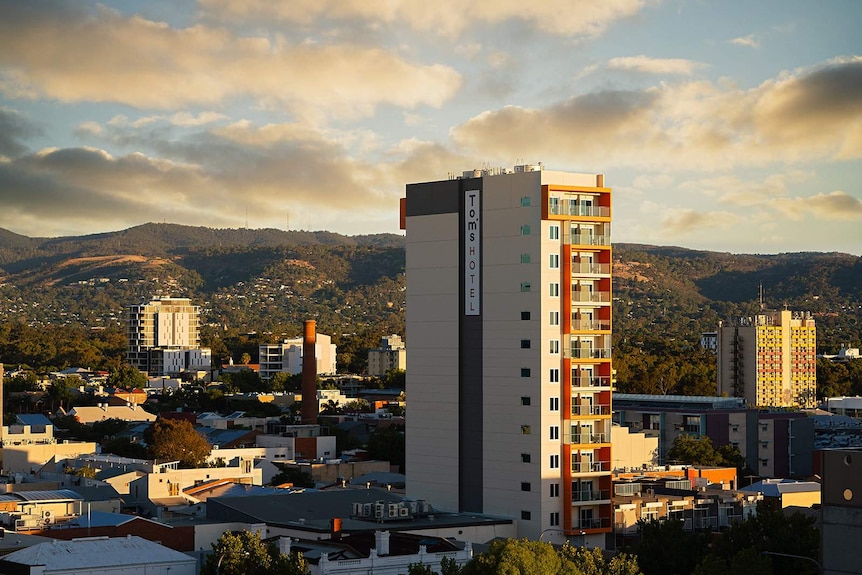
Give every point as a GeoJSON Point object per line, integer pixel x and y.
{"type": "Point", "coordinates": [392, 354]}
{"type": "Point", "coordinates": [509, 316]}
{"type": "Point", "coordinates": [286, 356]}
{"type": "Point", "coordinates": [769, 359]}
{"type": "Point", "coordinates": [164, 339]}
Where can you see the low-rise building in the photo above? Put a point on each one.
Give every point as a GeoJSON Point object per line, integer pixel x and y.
{"type": "Point", "coordinates": [101, 555]}
{"type": "Point", "coordinates": [89, 414]}
{"type": "Point", "coordinates": [787, 492]}
{"type": "Point", "coordinates": [286, 357]}
{"type": "Point", "coordinates": [392, 354]}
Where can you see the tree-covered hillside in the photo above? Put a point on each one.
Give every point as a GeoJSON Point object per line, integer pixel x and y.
{"type": "Point", "coordinates": [259, 285]}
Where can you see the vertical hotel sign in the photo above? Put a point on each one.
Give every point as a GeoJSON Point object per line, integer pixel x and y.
{"type": "Point", "coordinates": [472, 251]}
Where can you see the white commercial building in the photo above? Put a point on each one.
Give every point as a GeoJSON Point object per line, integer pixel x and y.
{"type": "Point", "coordinates": [164, 337]}
{"type": "Point", "coordinates": [509, 316]}
{"type": "Point", "coordinates": [287, 357]}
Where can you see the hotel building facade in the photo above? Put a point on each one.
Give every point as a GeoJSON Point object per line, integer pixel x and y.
{"type": "Point", "coordinates": [769, 359]}
{"type": "Point", "coordinates": [509, 320]}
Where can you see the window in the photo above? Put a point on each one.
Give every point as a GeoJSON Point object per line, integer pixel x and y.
{"type": "Point", "coordinates": [525, 286]}
{"type": "Point", "coordinates": [525, 372]}
{"type": "Point", "coordinates": [525, 230]}
{"type": "Point", "coordinates": [554, 375]}
{"type": "Point", "coordinates": [525, 486]}
{"type": "Point", "coordinates": [525, 202]}
{"type": "Point", "coordinates": [525, 458]}
{"type": "Point", "coordinates": [554, 232]}
{"type": "Point", "coordinates": [525, 258]}
{"type": "Point", "coordinates": [764, 462]}
{"type": "Point", "coordinates": [554, 346]}
{"type": "Point", "coordinates": [691, 423]}
{"type": "Point", "coordinates": [555, 518]}
{"type": "Point", "coordinates": [554, 403]}
{"type": "Point", "coordinates": [525, 400]}
{"type": "Point", "coordinates": [173, 489]}
{"type": "Point", "coordinates": [555, 490]}
{"type": "Point", "coordinates": [525, 344]}
{"type": "Point", "coordinates": [554, 318]}
{"type": "Point", "coordinates": [554, 289]}
{"type": "Point", "coordinates": [525, 430]}
{"type": "Point", "coordinates": [525, 515]}
{"type": "Point", "coordinates": [555, 461]}
{"type": "Point", "coordinates": [525, 316]}
{"type": "Point", "coordinates": [554, 261]}
{"type": "Point", "coordinates": [555, 432]}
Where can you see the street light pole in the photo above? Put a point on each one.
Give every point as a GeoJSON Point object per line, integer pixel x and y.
{"type": "Point", "coordinates": [776, 554]}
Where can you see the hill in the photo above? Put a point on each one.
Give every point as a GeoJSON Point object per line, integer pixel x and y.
{"type": "Point", "coordinates": [267, 281]}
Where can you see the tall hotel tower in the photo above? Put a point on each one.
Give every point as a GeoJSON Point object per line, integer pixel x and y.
{"type": "Point", "coordinates": [509, 324]}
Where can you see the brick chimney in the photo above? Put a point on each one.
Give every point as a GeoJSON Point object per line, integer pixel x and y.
{"type": "Point", "coordinates": [309, 373]}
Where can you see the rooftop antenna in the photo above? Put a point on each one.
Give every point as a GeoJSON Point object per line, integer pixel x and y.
{"type": "Point", "coordinates": [761, 298]}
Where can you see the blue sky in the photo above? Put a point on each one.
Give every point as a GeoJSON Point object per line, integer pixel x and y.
{"type": "Point", "coordinates": [720, 124]}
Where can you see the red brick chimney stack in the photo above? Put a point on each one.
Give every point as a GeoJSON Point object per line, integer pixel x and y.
{"type": "Point", "coordinates": [309, 373]}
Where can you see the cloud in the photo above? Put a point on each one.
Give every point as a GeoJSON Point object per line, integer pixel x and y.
{"type": "Point", "coordinates": [14, 128]}
{"type": "Point", "coordinates": [649, 65]}
{"type": "Point", "coordinates": [749, 41]}
{"type": "Point", "coordinates": [683, 221]}
{"type": "Point", "coordinates": [74, 55]}
{"type": "Point", "coordinates": [443, 17]}
{"type": "Point", "coordinates": [836, 205]}
{"type": "Point", "coordinates": [807, 115]}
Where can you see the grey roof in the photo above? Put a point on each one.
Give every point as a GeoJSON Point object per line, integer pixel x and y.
{"type": "Point", "coordinates": [312, 510]}
{"type": "Point", "coordinates": [97, 552]}
{"type": "Point", "coordinates": [678, 401]}
{"type": "Point", "coordinates": [380, 478]}
{"type": "Point", "coordinates": [55, 495]}
{"type": "Point", "coordinates": [95, 492]}
{"type": "Point", "coordinates": [33, 419]}
{"type": "Point", "coordinates": [777, 487]}
{"type": "Point", "coordinates": [105, 519]}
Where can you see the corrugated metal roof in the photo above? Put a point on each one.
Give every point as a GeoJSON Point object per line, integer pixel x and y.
{"type": "Point", "coordinates": [56, 495]}
{"type": "Point", "coordinates": [98, 552]}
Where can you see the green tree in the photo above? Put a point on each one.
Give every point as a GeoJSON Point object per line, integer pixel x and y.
{"type": "Point", "coordinates": [520, 557]}
{"type": "Point", "coordinates": [592, 561]}
{"type": "Point", "coordinates": [692, 450]}
{"type": "Point", "coordinates": [177, 440]}
{"type": "Point", "coordinates": [245, 552]}
{"type": "Point", "coordinates": [388, 445]}
{"type": "Point", "coordinates": [126, 376]}
{"type": "Point", "coordinates": [665, 548]}
{"type": "Point", "coordinates": [60, 393]}
{"type": "Point", "coordinates": [420, 569]}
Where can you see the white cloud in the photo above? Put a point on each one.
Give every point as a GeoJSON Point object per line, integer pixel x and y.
{"type": "Point", "coordinates": [649, 65]}
{"type": "Point", "coordinates": [749, 41]}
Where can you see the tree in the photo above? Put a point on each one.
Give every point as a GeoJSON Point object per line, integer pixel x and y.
{"type": "Point", "coordinates": [126, 376]}
{"type": "Point", "coordinates": [520, 557]}
{"type": "Point", "coordinates": [245, 552]}
{"type": "Point", "coordinates": [665, 548]}
{"type": "Point", "coordinates": [592, 561]}
{"type": "Point", "coordinates": [388, 445]}
{"type": "Point", "coordinates": [692, 450]}
{"type": "Point", "coordinates": [177, 440]}
{"type": "Point", "coordinates": [420, 569]}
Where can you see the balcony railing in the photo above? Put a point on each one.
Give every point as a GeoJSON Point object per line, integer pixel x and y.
{"type": "Point", "coordinates": [581, 496]}
{"type": "Point", "coordinates": [576, 352]}
{"type": "Point", "coordinates": [582, 296]}
{"type": "Point", "coordinates": [590, 268]}
{"type": "Point", "coordinates": [591, 324]}
{"type": "Point", "coordinates": [589, 240]}
{"type": "Point", "coordinates": [587, 381]}
{"type": "Point", "coordinates": [589, 438]}
{"type": "Point", "coordinates": [587, 409]}
{"type": "Point", "coordinates": [565, 209]}
{"type": "Point", "coordinates": [590, 467]}
{"type": "Point", "coordinates": [592, 523]}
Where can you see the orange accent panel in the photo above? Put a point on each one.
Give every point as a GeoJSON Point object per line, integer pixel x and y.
{"type": "Point", "coordinates": [402, 208]}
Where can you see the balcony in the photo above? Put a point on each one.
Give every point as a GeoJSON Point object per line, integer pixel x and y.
{"type": "Point", "coordinates": [591, 466]}
{"type": "Point", "coordinates": [600, 409]}
{"type": "Point", "coordinates": [590, 268]}
{"type": "Point", "coordinates": [568, 209]}
{"type": "Point", "coordinates": [583, 296]}
{"type": "Point", "coordinates": [591, 324]}
{"type": "Point", "coordinates": [587, 381]}
{"type": "Point", "coordinates": [591, 523]}
{"type": "Point", "coordinates": [576, 352]}
{"type": "Point", "coordinates": [589, 240]}
{"type": "Point", "coordinates": [590, 495]}
{"type": "Point", "coordinates": [590, 438]}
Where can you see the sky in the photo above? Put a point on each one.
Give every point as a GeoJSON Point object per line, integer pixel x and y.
{"type": "Point", "coordinates": [723, 125]}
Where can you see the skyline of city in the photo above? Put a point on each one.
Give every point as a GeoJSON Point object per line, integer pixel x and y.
{"type": "Point", "coordinates": [720, 126]}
